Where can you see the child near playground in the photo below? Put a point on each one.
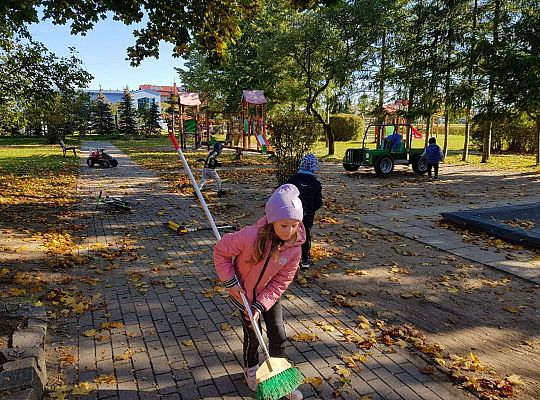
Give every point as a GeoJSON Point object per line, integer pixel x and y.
{"type": "Point", "coordinates": [261, 261]}
{"type": "Point", "coordinates": [311, 196]}
{"type": "Point", "coordinates": [209, 170]}
{"type": "Point", "coordinates": [434, 155]}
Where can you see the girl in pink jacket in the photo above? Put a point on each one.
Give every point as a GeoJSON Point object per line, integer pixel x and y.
{"type": "Point", "coordinates": [261, 261]}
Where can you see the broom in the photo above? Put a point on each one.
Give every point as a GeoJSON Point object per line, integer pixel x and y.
{"type": "Point", "coordinates": [276, 377]}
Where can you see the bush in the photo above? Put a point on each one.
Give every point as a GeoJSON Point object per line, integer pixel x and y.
{"type": "Point", "coordinates": [292, 135]}
{"type": "Point", "coordinates": [512, 132]}
{"type": "Point", "coordinates": [346, 126]}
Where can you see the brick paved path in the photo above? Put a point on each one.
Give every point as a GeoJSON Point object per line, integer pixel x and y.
{"type": "Point", "coordinates": [159, 322]}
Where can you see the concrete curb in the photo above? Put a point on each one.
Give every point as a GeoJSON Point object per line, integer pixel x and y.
{"type": "Point", "coordinates": [23, 373]}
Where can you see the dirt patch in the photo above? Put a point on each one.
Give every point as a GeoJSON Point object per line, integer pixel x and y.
{"type": "Point", "coordinates": [465, 307]}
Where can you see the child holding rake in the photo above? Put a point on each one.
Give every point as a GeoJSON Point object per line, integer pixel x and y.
{"type": "Point", "coordinates": [261, 261]}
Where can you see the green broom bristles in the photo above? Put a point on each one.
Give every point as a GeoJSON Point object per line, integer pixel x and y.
{"type": "Point", "coordinates": [279, 385]}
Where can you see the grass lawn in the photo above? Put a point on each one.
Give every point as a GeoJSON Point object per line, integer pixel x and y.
{"type": "Point", "coordinates": [455, 149]}
{"type": "Point", "coordinates": [33, 157]}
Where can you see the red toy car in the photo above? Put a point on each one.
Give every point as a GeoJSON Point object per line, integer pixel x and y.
{"type": "Point", "coordinates": [101, 158]}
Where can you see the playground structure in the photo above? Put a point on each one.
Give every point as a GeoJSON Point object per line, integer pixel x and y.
{"type": "Point", "coordinates": [253, 116]}
{"type": "Point", "coordinates": [188, 121]}
{"type": "Point", "coordinates": [243, 131]}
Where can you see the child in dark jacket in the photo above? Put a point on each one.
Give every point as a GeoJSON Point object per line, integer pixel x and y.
{"type": "Point", "coordinates": [433, 155]}
{"type": "Point", "coordinates": [311, 196]}
{"type": "Point", "coordinates": [261, 261]}
{"type": "Point", "coordinates": [209, 170]}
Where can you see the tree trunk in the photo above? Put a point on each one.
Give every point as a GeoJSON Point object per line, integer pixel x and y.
{"type": "Point", "coordinates": [327, 129]}
{"type": "Point", "coordinates": [486, 150]}
{"type": "Point", "coordinates": [538, 140]}
{"type": "Point", "coordinates": [467, 137]}
{"type": "Point", "coordinates": [382, 72]}
{"type": "Point", "coordinates": [428, 130]}
{"type": "Point", "coordinates": [486, 153]}
{"type": "Point", "coordinates": [446, 132]}
{"type": "Point", "coordinates": [470, 73]}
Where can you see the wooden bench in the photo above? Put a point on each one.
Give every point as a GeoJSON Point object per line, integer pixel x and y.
{"type": "Point", "coordinates": [67, 148]}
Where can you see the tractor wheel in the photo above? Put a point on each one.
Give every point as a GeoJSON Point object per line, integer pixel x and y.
{"type": "Point", "coordinates": [105, 164]}
{"type": "Point", "coordinates": [350, 167]}
{"type": "Point", "coordinates": [384, 166]}
{"type": "Point", "coordinates": [419, 165]}
{"type": "Point", "coordinates": [114, 162]}
{"type": "Point", "coordinates": [90, 162]}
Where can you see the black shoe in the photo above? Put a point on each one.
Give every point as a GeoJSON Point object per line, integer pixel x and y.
{"type": "Point", "coordinates": [305, 265]}
{"type": "Point", "coordinates": [195, 193]}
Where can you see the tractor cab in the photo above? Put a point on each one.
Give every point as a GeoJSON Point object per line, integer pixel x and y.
{"type": "Point", "coordinates": [393, 146]}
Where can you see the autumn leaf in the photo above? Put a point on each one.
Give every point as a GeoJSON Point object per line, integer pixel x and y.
{"type": "Point", "coordinates": [59, 392]}
{"type": "Point", "coordinates": [4, 273]}
{"type": "Point", "coordinates": [111, 325]}
{"type": "Point", "coordinates": [90, 333]}
{"type": "Point", "coordinates": [513, 310]}
{"type": "Point", "coordinates": [106, 379]}
{"type": "Point", "coordinates": [67, 359]}
{"type": "Point", "coordinates": [82, 389]}
{"type": "Point", "coordinates": [325, 326]}
{"type": "Point", "coordinates": [315, 380]}
{"type": "Point", "coordinates": [187, 343]}
{"type": "Point", "coordinates": [225, 326]}
{"type": "Point", "coordinates": [428, 370]}
{"type": "Point", "coordinates": [343, 372]}
{"type": "Point", "coordinates": [305, 337]}
{"type": "Point", "coordinates": [290, 297]}
{"type": "Point", "coordinates": [15, 292]}
{"type": "Point", "coordinates": [125, 355]}
{"type": "Point", "coordinates": [515, 379]}
{"type": "Point", "coordinates": [363, 322]}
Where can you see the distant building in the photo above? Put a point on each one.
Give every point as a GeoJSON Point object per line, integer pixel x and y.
{"type": "Point", "coordinates": [164, 91]}
{"type": "Point", "coordinates": [138, 97]}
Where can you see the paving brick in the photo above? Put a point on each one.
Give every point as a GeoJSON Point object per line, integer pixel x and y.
{"type": "Point", "coordinates": [158, 321]}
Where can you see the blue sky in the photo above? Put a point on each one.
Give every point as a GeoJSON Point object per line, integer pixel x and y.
{"type": "Point", "coordinates": [103, 51]}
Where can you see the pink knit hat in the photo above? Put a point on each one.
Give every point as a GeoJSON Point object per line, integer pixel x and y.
{"type": "Point", "coordinates": [284, 204]}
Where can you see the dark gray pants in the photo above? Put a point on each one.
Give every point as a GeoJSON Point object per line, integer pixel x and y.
{"type": "Point", "coordinates": [306, 246]}
{"type": "Point", "coordinates": [435, 167]}
{"type": "Point", "coordinates": [275, 331]}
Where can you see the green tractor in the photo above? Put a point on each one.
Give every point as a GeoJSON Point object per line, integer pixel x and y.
{"type": "Point", "coordinates": [389, 152]}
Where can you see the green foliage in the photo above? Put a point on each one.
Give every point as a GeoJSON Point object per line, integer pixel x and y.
{"type": "Point", "coordinates": [510, 131]}
{"type": "Point", "coordinates": [209, 25]}
{"type": "Point", "coordinates": [102, 118]}
{"type": "Point", "coordinates": [127, 121]}
{"type": "Point", "coordinates": [36, 87]}
{"type": "Point", "coordinates": [149, 116]}
{"type": "Point", "coordinates": [346, 126]}
{"type": "Point", "coordinates": [292, 135]}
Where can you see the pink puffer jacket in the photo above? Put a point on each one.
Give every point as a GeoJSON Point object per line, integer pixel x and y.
{"type": "Point", "coordinates": [232, 255]}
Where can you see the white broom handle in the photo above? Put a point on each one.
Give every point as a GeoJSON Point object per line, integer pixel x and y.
{"type": "Point", "coordinates": [218, 237]}
{"type": "Point", "coordinates": [255, 327]}
{"type": "Point", "coordinates": [195, 186]}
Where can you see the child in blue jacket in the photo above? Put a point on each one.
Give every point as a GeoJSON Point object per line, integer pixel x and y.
{"type": "Point", "coordinates": [434, 155]}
